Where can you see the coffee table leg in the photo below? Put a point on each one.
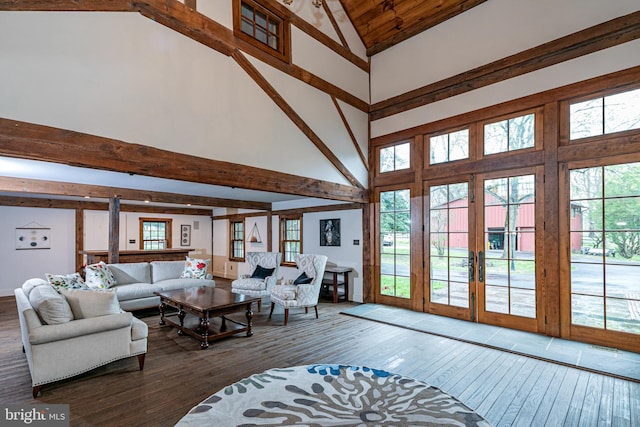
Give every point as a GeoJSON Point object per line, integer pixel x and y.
{"type": "Point", "coordinates": [249, 315]}
{"type": "Point", "coordinates": [181, 315]}
{"type": "Point", "coordinates": [204, 326]}
{"type": "Point", "coordinates": [162, 307]}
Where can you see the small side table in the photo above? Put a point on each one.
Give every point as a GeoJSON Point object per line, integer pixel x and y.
{"type": "Point", "coordinates": [335, 282]}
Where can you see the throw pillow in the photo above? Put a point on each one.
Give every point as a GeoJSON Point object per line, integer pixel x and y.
{"type": "Point", "coordinates": [87, 303]}
{"type": "Point", "coordinates": [98, 276]}
{"type": "Point", "coordinates": [303, 279]}
{"type": "Point", "coordinates": [66, 281]}
{"type": "Point", "coordinates": [52, 308]}
{"type": "Point", "coordinates": [195, 268]}
{"type": "Point", "coordinates": [261, 272]}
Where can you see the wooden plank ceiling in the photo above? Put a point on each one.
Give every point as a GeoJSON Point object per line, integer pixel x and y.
{"type": "Point", "coordinates": [384, 23]}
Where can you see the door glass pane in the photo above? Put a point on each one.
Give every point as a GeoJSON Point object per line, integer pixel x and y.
{"type": "Point", "coordinates": [449, 244]}
{"type": "Point", "coordinates": [509, 221]}
{"type": "Point", "coordinates": [395, 243]}
{"type": "Point", "coordinates": [605, 247]}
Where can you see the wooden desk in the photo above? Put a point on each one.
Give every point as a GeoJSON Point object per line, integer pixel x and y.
{"type": "Point", "coordinates": [336, 283]}
{"type": "Point", "coordinates": [94, 257]}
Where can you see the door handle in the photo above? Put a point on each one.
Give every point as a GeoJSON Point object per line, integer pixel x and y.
{"type": "Point", "coordinates": [481, 266]}
{"type": "Point", "coordinates": [472, 267]}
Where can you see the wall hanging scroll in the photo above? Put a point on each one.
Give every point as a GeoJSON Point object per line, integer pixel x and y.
{"type": "Point", "coordinates": [33, 236]}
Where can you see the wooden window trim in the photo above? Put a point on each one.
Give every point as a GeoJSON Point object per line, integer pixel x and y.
{"type": "Point", "coordinates": [169, 225]}
{"type": "Point", "coordinates": [284, 49]}
{"type": "Point", "coordinates": [232, 240]}
{"type": "Point", "coordinates": [282, 235]}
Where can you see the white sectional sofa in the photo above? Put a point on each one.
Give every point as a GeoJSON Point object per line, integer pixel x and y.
{"type": "Point", "coordinates": [65, 336]}
{"type": "Point", "coordinates": [136, 282]}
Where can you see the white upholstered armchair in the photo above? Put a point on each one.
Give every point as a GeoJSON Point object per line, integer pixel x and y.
{"type": "Point", "coordinates": [305, 294]}
{"type": "Point", "coordinates": [262, 280]}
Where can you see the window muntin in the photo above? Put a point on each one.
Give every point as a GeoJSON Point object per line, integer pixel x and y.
{"type": "Point", "coordinates": [237, 240]}
{"type": "Point", "coordinates": [449, 147]}
{"type": "Point", "coordinates": [395, 241]}
{"type": "Point", "coordinates": [155, 234]}
{"type": "Point", "coordinates": [604, 115]}
{"type": "Point", "coordinates": [290, 239]}
{"type": "Point", "coordinates": [261, 27]}
{"type": "Point", "coordinates": [395, 157]}
{"type": "Point", "coordinates": [605, 247]}
{"type": "Point", "coordinates": [512, 134]}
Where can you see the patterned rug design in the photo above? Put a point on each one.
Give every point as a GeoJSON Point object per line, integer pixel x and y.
{"type": "Point", "coordinates": [330, 395]}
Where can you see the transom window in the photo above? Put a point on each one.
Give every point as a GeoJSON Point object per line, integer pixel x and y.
{"type": "Point", "coordinates": [237, 240]}
{"type": "Point", "coordinates": [512, 134]}
{"type": "Point", "coordinates": [608, 114]}
{"type": "Point", "coordinates": [449, 147]}
{"type": "Point", "coordinates": [155, 233]}
{"type": "Point", "coordinates": [290, 238]}
{"type": "Point", "coordinates": [395, 157]}
{"type": "Point", "coordinates": [261, 27]}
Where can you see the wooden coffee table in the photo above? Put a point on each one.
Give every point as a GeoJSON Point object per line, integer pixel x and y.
{"type": "Point", "coordinates": [206, 303]}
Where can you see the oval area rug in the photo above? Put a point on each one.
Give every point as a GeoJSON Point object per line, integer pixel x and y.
{"type": "Point", "coordinates": [330, 395]}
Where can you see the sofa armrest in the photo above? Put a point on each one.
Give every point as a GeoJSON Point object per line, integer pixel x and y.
{"type": "Point", "coordinates": [75, 328]}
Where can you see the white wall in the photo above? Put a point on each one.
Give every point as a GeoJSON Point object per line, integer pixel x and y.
{"type": "Point", "coordinates": [124, 76]}
{"type": "Point", "coordinates": [486, 33]}
{"type": "Point", "coordinates": [19, 265]}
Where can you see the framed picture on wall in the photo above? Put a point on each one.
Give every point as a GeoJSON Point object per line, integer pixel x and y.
{"type": "Point", "coordinates": [185, 235]}
{"type": "Point", "coordinates": [330, 232]}
{"type": "Point", "coordinates": [33, 238]}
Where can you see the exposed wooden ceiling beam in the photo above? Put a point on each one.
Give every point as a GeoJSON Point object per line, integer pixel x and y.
{"type": "Point", "coordinates": [34, 186]}
{"type": "Point", "coordinates": [49, 144]}
{"type": "Point", "coordinates": [34, 202]}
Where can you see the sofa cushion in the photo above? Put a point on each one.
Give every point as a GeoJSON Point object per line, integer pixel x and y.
{"type": "Point", "coordinates": [167, 285]}
{"type": "Point", "coordinates": [163, 270]}
{"type": "Point", "coordinates": [66, 281]}
{"type": "Point", "coordinates": [52, 307]}
{"type": "Point", "coordinates": [134, 272]}
{"type": "Point", "coordinates": [135, 291]}
{"type": "Point", "coordinates": [91, 303]}
{"type": "Point", "coordinates": [195, 268]}
{"type": "Point", "coordinates": [98, 276]}
{"type": "Point", "coordinates": [30, 284]}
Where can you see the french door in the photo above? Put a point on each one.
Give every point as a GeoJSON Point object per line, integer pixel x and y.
{"type": "Point", "coordinates": [482, 250]}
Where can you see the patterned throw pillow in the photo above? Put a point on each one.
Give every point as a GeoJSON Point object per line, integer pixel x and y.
{"type": "Point", "coordinates": [66, 281]}
{"type": "Point", "coordinates": [98, 276]}
{"type": "Point", "coordinates": [195, 268]}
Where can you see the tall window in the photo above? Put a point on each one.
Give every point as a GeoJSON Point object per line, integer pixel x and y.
{"type": "Point", "coordinates": [237, 240]}
{"type": "Point", "coordinates": [395, 238]}
{"type": "Point", "coordinates": [395, 157]}
{"type": "Point", "coordinates": [155, 233]}
{"type": "Point", "coordinates": [261, 27]}
{"type": "Point", "coordinates": [600, 116]}
{"type": "Point", "coordinates": [605, 247]}
{"type": "Point", "coordinates": [290, 238]}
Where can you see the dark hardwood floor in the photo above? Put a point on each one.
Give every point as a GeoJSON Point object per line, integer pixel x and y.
{"type": "Point", "coordinates": [505, 388]}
